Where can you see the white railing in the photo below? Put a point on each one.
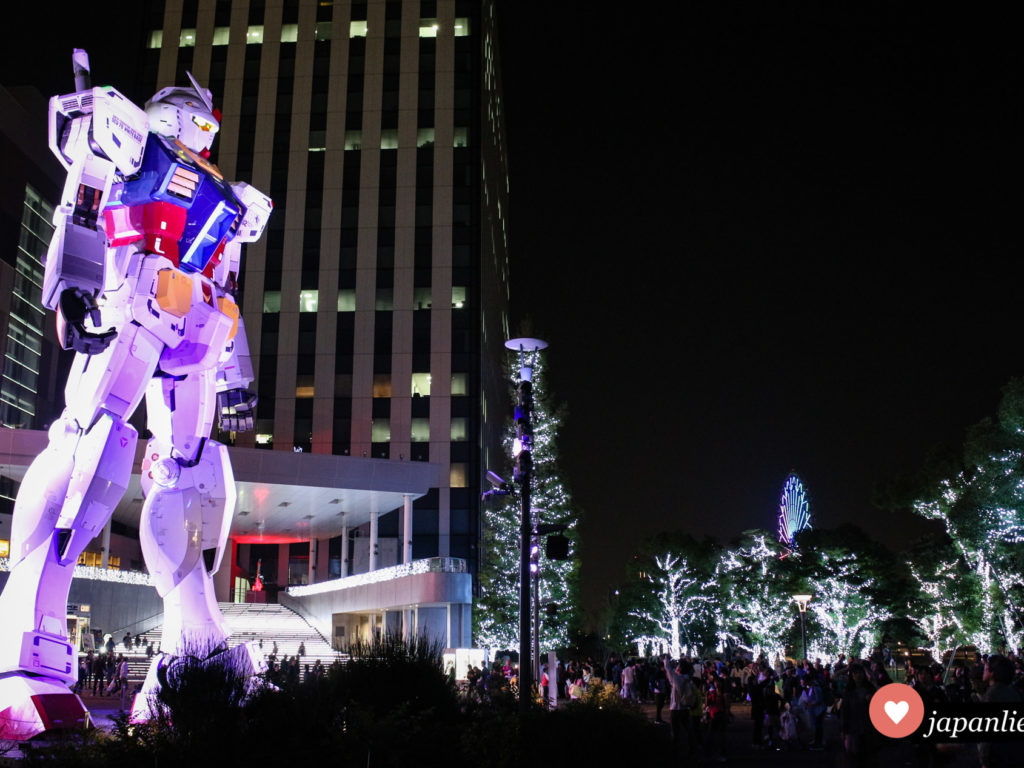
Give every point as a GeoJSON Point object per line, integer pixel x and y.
{"type": "Point", "coordinates": [426, 565]}
{"type": "Point", "coordinates": [99, 574]}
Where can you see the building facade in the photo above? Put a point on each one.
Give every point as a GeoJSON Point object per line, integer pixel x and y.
{"type": "Point", "coordinates": [376, 305]}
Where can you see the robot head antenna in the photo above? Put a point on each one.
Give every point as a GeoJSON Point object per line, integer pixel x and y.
{"type": "Point", "coordinates": [186, 114]}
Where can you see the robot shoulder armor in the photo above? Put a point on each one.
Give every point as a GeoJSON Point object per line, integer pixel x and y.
{"type": "Point", "coordinates": [257, 211]}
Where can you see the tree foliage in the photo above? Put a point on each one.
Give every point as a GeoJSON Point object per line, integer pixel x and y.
{"type": "Point", "coordinates": [982, 509]}
{"type": "Point", "coordinates": [496, 612]}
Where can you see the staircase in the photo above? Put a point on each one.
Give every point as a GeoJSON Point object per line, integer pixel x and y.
{"type": "Point", "coordinates": [269, 622]}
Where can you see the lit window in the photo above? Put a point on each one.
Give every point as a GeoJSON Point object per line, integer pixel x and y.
{"type": "Point", "coordinates": [462, 27]}
{"type": "Point", "coordinates": [420, 431]}
{"type": "Point", "coordinates": [346, 300]}
{"type": "Point", "coordinates": [5, 548]}
{"type": "Point", "coordinates": [221, 35]}
{"type": "Point", "coordinates": [421, 298]}
{"type": "Point", "coordinates": [303, 393]}
{"type": "Point", "coordinates": [264, 439]}
{"type": "Point", "coordinates": [461, 137]}
{"type": "Point", "coordinates": [353, 139]}
{"type": "Point", "coordinates": [318, 141]}
{"type": "Point", "coordinates": [323, 31]}
{"type": "Point", "coordinates": [458, 475]}
{"type": "Point", "coordinates": [460, 429]}
{"type": "Point", "coordinates": [187, 39]}
{"type": "Point", "coordinates": [389, 138]}
{"type": "Point", "coordinates": [381, 430]}
{"type": "Point", "coordinates": [425, 137]}
{"type": "Point", "coordinates": [421, 384]}
{"type": "Point", "coordinates": [272, 301]}
{"type": "Point", "coordinates": [289, 33]}
{"type": "Point", "coordinates": [156, 38]}
{"type": "Point", "coordinates": [460, 383]}
{"type": "Point", "coordinates": [458, 296]}
{"type": "Point", "coordinates": [309, 300]}
{"type": "Point", "coordinates": [357, 29]}
{"type": "Point", "coordinates": [382, 385]}
{"type": "Point", "coordinates": [255, 35]}
{"type": "Point", "coordinates": [428, 27]}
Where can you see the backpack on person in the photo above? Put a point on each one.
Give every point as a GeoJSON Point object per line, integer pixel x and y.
{"type": "Point", "coordinates": [688, 694]}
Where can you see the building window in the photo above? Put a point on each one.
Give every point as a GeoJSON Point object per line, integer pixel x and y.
{"type": "Point", "coordinates": [460, 429]}
{"type": "Point", "coordinates": [461, 137]}
{"type": "Point", "coordinates": [425, 137]}
{"type": "Point", "coordinates": [420, 431]}
{"type": "Point", "coordinates": [421, 384]}
{"type": "Point", "coordinates": [309, 300]}
{"type": "Point", "coordinates": [462, 27]}
{"type": "Point", "coordinates": [322, 31]}
{"type": "Point", "coordinates": [458, 475]}
{"type": "Point", "coordinates": [272, 301]}
{"type": "Point", "coordinates": [460, 383]}
{"type": "Point", "coordinates": [156, 38]}
{"type": "Point", "coordinates": [385, 300]}
{"type": "Point", "coordinates": [389, 138]}
{"type": "Point", "coordinates": [187, 39]}
{"type": "Point", "coordinates": [381, 430]}
{"type": "Point", "coordinates": [289, 33]}
{"type": "Point", "coordinates": [346, 300]}
{"type": "Point", "coordinates": [357, 29]}
{"type": "Point", "coordinates": [382, 385]}
{"type": "Point", "coordinates": [255, 35]}
{"type": "Point", "coordinates": [221, 35]}
{"type": "Point", "coordinates": [428, 27]}
{"type": "Point", "coordinates": [421, 298]}
{"type": "Point", "coordinates": [458, 296]}
{"type": "Point", "coordinates": [353, 139]}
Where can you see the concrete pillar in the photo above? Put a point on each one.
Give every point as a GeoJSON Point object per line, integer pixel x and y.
{"type": "Point", "coordinates": [105, 562]}
{"type": "Point", "coordinates": [407, 528]}
{"type": "Point", "coordinates": [282, 565]}
{"type": "Point", "coordinates": [344, 551]}
{"type": "Point", "coordinates": [373, 539]}
{"type": "Point", "coordinates": [314, 551]}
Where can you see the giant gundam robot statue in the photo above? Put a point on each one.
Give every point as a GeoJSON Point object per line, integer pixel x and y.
{"type": "Point", "coordinates": [142, 274]}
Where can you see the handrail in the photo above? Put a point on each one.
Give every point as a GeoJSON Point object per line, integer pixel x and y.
{"type": "Point", "coordinates": [416, 567]}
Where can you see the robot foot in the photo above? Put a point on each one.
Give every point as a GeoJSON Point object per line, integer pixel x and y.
{"type": "Point", "coordinates": [31, 706]}
{"type": "Point", "coordinates": [242, 665]}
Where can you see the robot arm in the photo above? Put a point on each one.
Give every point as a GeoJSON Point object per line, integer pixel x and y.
{"type": "Point", "coordinates": [99, 137]}
{"type": "Point", "coordinates": [236, 404]}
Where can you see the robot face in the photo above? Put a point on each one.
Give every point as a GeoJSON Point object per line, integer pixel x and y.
{"type": "Point", "coordinates": [185, 114]}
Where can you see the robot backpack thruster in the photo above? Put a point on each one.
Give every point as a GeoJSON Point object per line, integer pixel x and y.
{"type": "Point", "coordinates": [142, 273]}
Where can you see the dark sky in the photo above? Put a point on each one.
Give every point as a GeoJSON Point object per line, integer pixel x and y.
{"type": "Point", "coordinates": [755, 245]}
{"type": "Point", "coordinates": [757, 248]}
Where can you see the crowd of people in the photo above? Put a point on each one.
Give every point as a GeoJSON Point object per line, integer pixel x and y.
{"type": "Point", "coordinates": [788, 701]}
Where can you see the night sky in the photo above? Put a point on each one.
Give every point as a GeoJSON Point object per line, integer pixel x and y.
{"type": "Point", "coordinates": [755, 245]}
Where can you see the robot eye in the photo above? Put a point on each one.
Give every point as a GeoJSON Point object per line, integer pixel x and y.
{"type": "Point", "coordinates": [204, 124]}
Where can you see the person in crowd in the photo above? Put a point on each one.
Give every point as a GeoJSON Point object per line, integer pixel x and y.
{"type": "Point", "coordinates": [856, 723]}
{"type": "Point", "coordinates": [998, 679]}
{"type": "Point", "coordinates": [719, 714]}
{"type": "Point", "coordinates": [681, 700]}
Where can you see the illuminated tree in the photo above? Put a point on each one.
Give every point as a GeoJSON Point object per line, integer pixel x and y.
{"type": "Point", "coordinates": [845, 607]}
{"type": "Point", "coordinates": [496, 611]}
{"type": "Point", "coordinates": [756, 607]}
{"type": "Point", "coordinates": [667, 604]}
{"type": "Point", "coordinates": [982, 508]}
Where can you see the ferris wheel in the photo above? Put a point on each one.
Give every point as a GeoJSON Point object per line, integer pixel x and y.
{"type": "Point", "coordinates": [794, 510]}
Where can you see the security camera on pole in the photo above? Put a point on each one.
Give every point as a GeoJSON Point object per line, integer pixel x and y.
{"type": "Point", "coordinates": [521, 452]}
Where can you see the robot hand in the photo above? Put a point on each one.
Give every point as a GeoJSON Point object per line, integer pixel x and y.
{"type": "Point", "coordinates": [237, 409]}
{"type": "Point", "coordinates": [75, 306]}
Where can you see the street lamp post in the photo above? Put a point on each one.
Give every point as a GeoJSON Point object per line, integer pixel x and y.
{"type": "Point", "coordinates": [522, 448]}
{"type": "Point", "coordinates": [801, 602]}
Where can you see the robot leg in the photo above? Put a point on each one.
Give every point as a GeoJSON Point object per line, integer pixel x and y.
{"type": "Point", "coordinates": [66, 498]}
{"type": "Point", "coordinates": [190, 498]}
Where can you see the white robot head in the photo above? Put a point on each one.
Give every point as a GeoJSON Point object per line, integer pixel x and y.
{"type": "Point", "coordinates": [186, 114]}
